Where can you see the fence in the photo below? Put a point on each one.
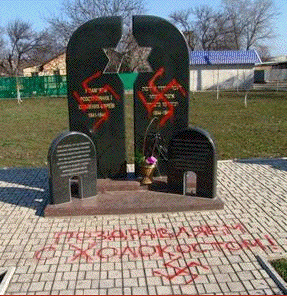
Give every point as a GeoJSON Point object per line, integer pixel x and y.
{"type": "Point", "coordinates": [38, 86]}
{"type": "Point", "coordinates": [33, 86]}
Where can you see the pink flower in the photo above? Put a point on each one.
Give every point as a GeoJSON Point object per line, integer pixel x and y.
{"type": "Point", "coordinates": [151, 160]}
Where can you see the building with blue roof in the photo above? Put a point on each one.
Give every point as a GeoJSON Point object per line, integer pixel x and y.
{"type": "Point", "coordinates": [228, 69]}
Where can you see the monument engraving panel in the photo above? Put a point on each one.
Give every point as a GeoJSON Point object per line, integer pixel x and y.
{"type": "Point", "coordinates": [72, 156]}
{"type": "Point", "coordinates": [162, 93]}
{"type": "Point", "coordinates": [95, 97]}
{"type": "Point", "coordinates": [192, 149]}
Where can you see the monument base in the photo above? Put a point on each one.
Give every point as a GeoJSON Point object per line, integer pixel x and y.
{"type": "Point", "coordinates": [128, 197]}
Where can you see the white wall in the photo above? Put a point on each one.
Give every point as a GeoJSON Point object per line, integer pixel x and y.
{"type": "Point", "coordinates": [228, 77]}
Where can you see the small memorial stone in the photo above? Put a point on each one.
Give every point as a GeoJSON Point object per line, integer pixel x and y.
{"type": "Point", "coordinates": [72, 159]}
{"type": "Point", "coordinates": [192, 150]}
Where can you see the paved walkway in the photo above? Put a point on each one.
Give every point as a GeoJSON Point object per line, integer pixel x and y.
{"type": "Point", "coordinates": [210, 252]}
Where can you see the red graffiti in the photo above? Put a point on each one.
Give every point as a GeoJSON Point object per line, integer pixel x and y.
{"type": "Point", "coordinates": [161, 96]}
{"type": "Point", "coordinates": [151, 233]}
{"type": "Point", "coordinates": [271, 241]}
{"type": "Point", "coordinates": [171, 253]}
{"type": "Point", "coordinates": [39, 254]}
{"type": "Point", "coordinates": [95, 98]}
{"type": "Point", "coordinates": [180, 270]}
{"type": "Point", "coordinates": [148, 251]}
{"type": "Point", "coordinates": [83, 253]}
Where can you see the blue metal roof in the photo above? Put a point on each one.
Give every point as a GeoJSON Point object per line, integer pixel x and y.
{"type": "Point", "coordinates": [226, 57]}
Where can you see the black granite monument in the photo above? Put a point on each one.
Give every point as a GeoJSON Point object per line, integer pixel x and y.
{"type": "Point", "coordinates": [97, 124]}
{"type": "Point", "coordinates": [163, 93]}
{"type": "Point", "coordinates": [95, 96]}
{"type": "Point", "coordinates": [72, 159]}
{"type": "Point", "coordinates": [192, 149]}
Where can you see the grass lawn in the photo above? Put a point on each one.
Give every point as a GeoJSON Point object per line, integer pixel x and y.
{"type": "Point", "coordinates": [280, 266]}
{"type": "Point", "coordinates": [28, 129]}
{"type": "Point", "coordinates": [260, 130]}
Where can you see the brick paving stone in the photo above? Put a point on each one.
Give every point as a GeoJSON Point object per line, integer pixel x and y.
{"type": "Point", "coordinates": [106, 283]}
{"type": "Point", "coordinates": [234, 277]}
{"type": "Point", "coordinates": [114, 291]}
{"type": "Point", "coordinates": [223, 278]}
{"type": "Point", "coordinates": [128, 291]}
{"type": "Point", "coordinates": [114, 274]}
{"type": "Point", "coordinates": [25, 278]}
{"type": "Point", "coordinates": [142, 281]}
{"type": "Point", "coordinates": [139, 291]}
{"type": "Point", "coordinates": [224, 288]}
{"type": "Point", "coordinates": [212, 288]}
{"type": "Point", "coordinates": [188, 290]}
{"type": "Point", "coordinates": [70, 275]}
{"type": "Point", "coordinates": [14, 287]}
{"type": "Point", "coordinates": [67, 292]}
{"type": "Point", "coordinates": [225, 269]}
{"type": "Point", "coordinates": [236, 287]}
{"type": "Point", "coordinates": [83, 284]}
{"type": "Point", "coordinates": [260, 284]}
{"type": "Point", "coordinates": [132, 282]}
{"type": "Point", "coordinates": [39, 286]}
{"type": "Point", "coordinates": [154, 281]}
{"type": "Point", "coordinates": [60, 285]}
{"type": "Point", "coordinates": [245, 275]}
{"type": "Point", "coordinates": [92, 275]}
{"type": "Point", "coordinates": [176, 289]}
{"type": "Point", "coordinates": [164, 290]}
{"type": "Point", "coordinates": [137, 273]}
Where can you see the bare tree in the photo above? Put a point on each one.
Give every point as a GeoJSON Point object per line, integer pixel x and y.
{"type": "Point", "coordinates": [264, 53]}
{"type": "Point", "coordinates": [238, 24]}
{"type": "Point", "coordinates": [211, 28]}
{"type": "Point", "coordinates": [1, 50]}
{"type": "Point", "coordinates": [20, 47]}
{"type": "Point", "coordinates": [204, 28]}
{"type": "Point", "coordinates": [1, 41]}
{"type": "Point", "coordinates": [77, 12]}
{"type": "Point", "coordinates": [182, 19]}
{"type": "Point", "coordinates": [250, 21]}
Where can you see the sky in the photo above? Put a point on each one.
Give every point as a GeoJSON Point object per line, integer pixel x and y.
{"type": "Point", "coordinates": [35, 12]}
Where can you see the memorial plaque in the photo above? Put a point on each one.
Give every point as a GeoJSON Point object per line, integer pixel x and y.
{"type": "Point", "coordinates": [192, 149]}
{"type": "Point", "coordinates": [95, 96]}
{"type": "Point", "coordinates": [164, 92]}
{"type": "Point", "coordinates": [72, 157]}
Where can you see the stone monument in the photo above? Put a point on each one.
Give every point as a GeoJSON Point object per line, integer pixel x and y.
{"type": "Point", "coordinates": [93, 154]}
{"type": "Point", "coordinates": [95, 97]}
{"type": "Point", "coordinates": [72, 159]}
{"type": "Point", "coordinates": [162, 93]}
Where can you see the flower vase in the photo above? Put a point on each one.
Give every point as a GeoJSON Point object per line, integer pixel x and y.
{"type": "Point", "coordinates": [147, 174]}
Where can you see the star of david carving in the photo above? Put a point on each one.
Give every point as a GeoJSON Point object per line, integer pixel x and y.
{"type": "Point", "coordinates": [128, 56]}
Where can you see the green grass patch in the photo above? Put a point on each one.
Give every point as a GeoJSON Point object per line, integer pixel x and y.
{"type": "Point", "coordinates": [280, 265]}
{"type": "Point", "coordinates": [260, 130]}
{"type": "Point", "coordinates": [27, 130]}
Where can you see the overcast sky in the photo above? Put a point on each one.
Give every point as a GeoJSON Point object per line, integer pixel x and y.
{"type": "Point", "coordinates": [35, 11]}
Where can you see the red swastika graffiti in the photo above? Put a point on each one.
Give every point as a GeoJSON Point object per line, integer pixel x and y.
{"type": "Point", "coordinates": [95, 98]}
{"type": "Point", "coordinates": [180, 270]}
{"type": "Point", "coordinates": [160, 96]}
{"type": "Point", "coordinates": [83, 252]}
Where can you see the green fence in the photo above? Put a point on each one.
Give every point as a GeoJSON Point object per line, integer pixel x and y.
{"type": "Point", "coordinates": [39, 86]}
{"type": "Point", "coordinates": [33, 86]}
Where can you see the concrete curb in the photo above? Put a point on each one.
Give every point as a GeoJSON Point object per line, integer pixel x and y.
{"type": "Point", "coordinates": [8, 271]}
{"type": "Point", "coordinates": [272, 272]}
